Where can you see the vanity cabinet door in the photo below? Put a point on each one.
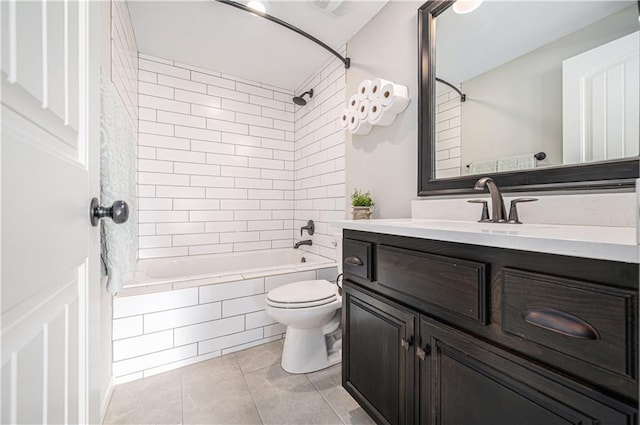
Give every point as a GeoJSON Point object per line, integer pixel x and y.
{"type": "Point", "coordinates": [378, 355]}
{"type": "Point", "coordinates": [466, 381]}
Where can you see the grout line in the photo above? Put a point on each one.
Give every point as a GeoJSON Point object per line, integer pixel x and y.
{"type": "Point", "coordinates": [246, 382]}
{"type": "Point", "coordinates": [322, 395]}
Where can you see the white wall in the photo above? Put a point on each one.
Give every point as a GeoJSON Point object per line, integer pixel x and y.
{"type": "Point", "coordinates": [216, 174]}
{"type": "Point", "coordinates": [124, 58]}
{"type": "Point", "coordinates": [320, 156]}
{"type": "Point", "coordinates": [216, 158]}
{"type": "Point", "coordinates": [385, 160]}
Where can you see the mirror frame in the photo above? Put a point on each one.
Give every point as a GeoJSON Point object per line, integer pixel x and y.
{"type": "Point", "coordinates": [597, 175]}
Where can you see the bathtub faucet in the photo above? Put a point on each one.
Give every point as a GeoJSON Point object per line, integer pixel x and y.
{"type": "Point", "coordinates": [310, 228]}
{"type": "Point", "coordinates": [307, 242]}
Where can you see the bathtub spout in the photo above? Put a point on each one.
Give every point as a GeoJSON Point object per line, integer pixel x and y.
{"type": "Point", "coordinates": [307, 242]}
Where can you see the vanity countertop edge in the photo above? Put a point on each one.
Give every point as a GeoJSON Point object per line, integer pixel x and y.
{"type": "Point", "coordinates": [597, 242]}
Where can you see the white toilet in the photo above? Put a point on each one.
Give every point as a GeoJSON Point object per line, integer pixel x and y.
{"type": "Point", "coordinates": [311, 311]}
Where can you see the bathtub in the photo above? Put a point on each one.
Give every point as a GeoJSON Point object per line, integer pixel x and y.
{"type": "Point", "coordinates": [179, 311]}
{"type": "Point", "coordinates": [227, 266]}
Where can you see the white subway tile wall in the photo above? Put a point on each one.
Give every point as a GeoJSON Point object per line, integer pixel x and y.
{"type": "Point", "coordinates": [320, 156]}
{"type": "Point", "coordinates": [448, 117]}
{"type": "Point", "coordinates": [156, 332]}
{"type": "Point", "coordinates": [124, 58]}
{"type": "Point", "coordinates": [225, 165]}
{"type": "Point", "coordinates": [216, 160]}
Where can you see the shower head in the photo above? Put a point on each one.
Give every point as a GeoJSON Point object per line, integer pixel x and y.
{"type": "Point", "coordinates": [299, 100]}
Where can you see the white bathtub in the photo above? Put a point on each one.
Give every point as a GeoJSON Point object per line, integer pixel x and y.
{"type": "Point", "coordinates": [200, 307]}
{"type": "Point", "coordinates": [228, 266]}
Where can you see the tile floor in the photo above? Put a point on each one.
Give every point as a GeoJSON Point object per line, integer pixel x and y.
{"type": "Point", "coordinates": [247, 387]}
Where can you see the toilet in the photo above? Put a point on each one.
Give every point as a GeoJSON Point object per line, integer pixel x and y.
{"type": "Point", "coordinates": [311, 311]}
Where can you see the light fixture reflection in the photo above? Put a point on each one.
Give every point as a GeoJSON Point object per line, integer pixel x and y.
{"type": "Point", "coordinates": [466, 6]}
{"type": "Point", "coordinates": [257, 6]}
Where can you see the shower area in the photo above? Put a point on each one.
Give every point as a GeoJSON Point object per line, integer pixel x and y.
{"type": "Point", "coordinates": [227, 171]}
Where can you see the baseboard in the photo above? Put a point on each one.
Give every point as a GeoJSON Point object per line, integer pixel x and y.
{"type": "Point", "coordinates": [104, 405]}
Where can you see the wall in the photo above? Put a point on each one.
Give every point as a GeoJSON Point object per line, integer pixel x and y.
{"type": "Point", "coordinates": [124, 58]}
{"type": "Point", "coordinates": [385, 160]}
{"type": "Point", "coordinates": [216, 159]}
{"type": "Point", "coordinates": [320, 157]}
{"type": "Point", "coordinates": [613, 208]}
{"type": "Point", "coordinates": [529, 86]}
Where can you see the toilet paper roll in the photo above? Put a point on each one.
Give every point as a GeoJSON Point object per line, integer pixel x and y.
{"type": "Point", "coordinates": [363, 89]}
{"type": "Point", "coordinates": [363, 109]}
{"type": "Point", "coordinates": [376, 87]}
{"type": "Point", "coordinates": [357, 126]}
{"type": "Point", "coordinates": [344, 119]}
{"type": "Point", "coordinates": [353, 103]}
{"type": "Point", "coordinates": [378, 116]}
{"type": "Point", "coordinates": [394, 97]}
{"type": "Point", "coordinates": [352, 120]}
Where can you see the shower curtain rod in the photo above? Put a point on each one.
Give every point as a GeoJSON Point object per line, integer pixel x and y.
{"type": "Point", "coordinates": [345, 60]}
{"type": "Point", "coordinates": [463, 96]}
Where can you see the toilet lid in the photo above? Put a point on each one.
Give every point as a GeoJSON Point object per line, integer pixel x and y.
{"type": "Point", "coordinates": [308, 292]}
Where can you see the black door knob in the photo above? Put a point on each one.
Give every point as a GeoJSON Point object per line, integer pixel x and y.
{"type": "Point", "coordinates": [119, 212]}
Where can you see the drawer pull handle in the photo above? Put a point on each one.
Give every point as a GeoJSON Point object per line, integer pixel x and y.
{"type": "Point", "coordinates": [353, 261]}
{"type": "Point", "coordinates": [560, 322]}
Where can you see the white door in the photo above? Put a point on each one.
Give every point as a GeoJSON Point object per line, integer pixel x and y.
{"type": "Point", "coordinates": [50, 252]}
{"type": "Point", "coordinates": [600, 102]}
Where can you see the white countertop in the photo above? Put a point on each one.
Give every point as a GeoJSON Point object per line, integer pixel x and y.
{"type": "Point", "coordinates": [599, 242]}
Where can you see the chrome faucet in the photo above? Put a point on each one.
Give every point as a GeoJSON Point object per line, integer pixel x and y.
{"type": "Point", "coordinates": [307, 242]}
{"type": "Point", "coordinates": [498, 213]}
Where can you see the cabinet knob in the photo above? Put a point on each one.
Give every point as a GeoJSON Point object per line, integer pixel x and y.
{"type": "Point", "coordinates": [423, 353]}
{"type": "Point", "coordinates": [406, 344]}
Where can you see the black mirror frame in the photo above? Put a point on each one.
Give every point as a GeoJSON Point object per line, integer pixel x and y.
{"type": "Point", "coordinates": [596, 175]}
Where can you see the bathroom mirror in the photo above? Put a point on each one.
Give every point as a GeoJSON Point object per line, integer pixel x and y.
{"type": "Point", "coordinates": [551, 96]}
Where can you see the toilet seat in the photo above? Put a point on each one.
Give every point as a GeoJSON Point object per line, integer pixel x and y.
{"type": "Point", "coordinates": [304, 294]}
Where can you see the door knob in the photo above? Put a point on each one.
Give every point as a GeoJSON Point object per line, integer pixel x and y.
{"type": "Point", "coordinates": [119, 212]}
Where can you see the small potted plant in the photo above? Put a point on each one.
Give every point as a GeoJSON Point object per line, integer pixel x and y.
{"type": "Point", "coordinates": [362, 205]}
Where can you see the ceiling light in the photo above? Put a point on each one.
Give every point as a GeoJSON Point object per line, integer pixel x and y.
{"type": "Point", "coordinates": [466, 6]}
{"type": "Point", "coordinates": [257, 6]}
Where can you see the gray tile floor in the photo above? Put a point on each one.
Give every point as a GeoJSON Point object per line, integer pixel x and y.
{"type": "Point", "coordinates": [247, 387]}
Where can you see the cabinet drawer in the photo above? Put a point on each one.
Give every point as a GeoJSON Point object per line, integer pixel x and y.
{"type": "Point", "coordinates": [356, 258]}
{"type": "Point", "coordinates": [580, 320]}
{"type": "Point", "coordinates": [458, 286]}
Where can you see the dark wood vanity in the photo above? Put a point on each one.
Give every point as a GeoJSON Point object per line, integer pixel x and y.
{"type": "Point", "coordinates": [447, 333]}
